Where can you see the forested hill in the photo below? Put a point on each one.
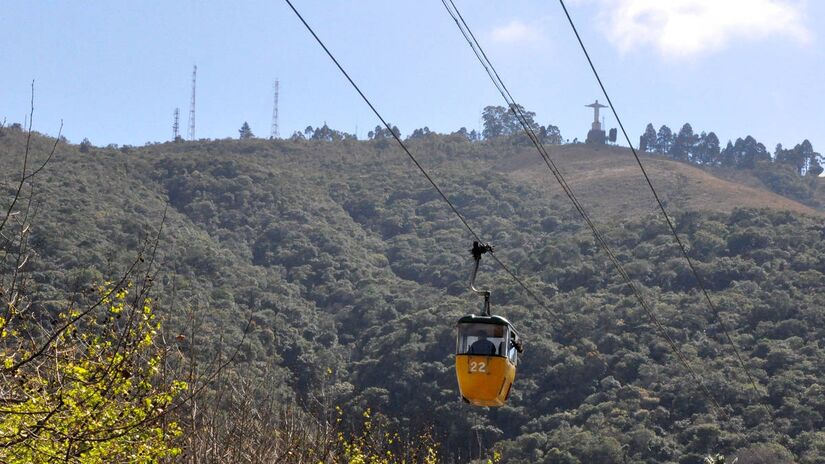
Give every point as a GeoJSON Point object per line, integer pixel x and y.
{"type": "Point", "coordinates": [354, 273]}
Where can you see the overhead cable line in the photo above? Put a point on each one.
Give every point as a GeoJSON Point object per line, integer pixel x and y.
{"type": "Point", "coordinates": [670, 224]}
{"type": "Point", "coordinates": [397, 138]}
{"type": "Point", "coordinates": [517, 110]}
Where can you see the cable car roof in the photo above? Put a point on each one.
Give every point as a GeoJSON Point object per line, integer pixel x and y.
{"type": "Point", "coordinates": [478, 319]}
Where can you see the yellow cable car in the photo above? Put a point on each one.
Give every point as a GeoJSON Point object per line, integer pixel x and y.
{"type": "Point", "coordinates": [486, 359]}
{"type": "Point", "coordinates": [486, 351]}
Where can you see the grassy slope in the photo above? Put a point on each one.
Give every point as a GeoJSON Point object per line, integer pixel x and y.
{"type": "Point", "coordinates": [608, 181]}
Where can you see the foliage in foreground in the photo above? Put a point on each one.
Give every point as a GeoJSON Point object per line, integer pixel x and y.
{"type": "Point", "coordinates": [95, 394]}
{"type": "Point", "coordinates": [81, 379]}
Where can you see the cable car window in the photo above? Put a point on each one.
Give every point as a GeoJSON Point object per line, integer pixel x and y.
{"type": "Point", "coordinates": [482, 339]}
{"type": "Point", "coordinates": [512, 352]}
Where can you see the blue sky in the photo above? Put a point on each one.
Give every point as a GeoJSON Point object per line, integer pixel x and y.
{"type": "Point", "coordinates": [114, 71]}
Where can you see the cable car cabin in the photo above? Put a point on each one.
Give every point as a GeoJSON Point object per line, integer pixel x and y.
{"type": "Point", "coordinates": [486, 358]}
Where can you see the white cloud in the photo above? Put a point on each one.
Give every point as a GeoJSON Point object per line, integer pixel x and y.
{"type": "Point", "coordinates": [683, 28]}
{"type": "Point", "coordinates": [516, 32]}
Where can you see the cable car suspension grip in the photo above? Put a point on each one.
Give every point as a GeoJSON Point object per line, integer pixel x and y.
{"type": "Point", "coordinates": [478, 250]}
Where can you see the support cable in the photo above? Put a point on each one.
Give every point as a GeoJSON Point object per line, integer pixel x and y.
{"type": "Point", "coordinates": [518, 111]}
{"type": "Point", "coordinates": [717, 315]}
{"type": "Point", "coordinates": [397, 138]}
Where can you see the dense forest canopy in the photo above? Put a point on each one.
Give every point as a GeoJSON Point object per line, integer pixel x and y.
{"type": "Point", "coordinates": [352, 273]}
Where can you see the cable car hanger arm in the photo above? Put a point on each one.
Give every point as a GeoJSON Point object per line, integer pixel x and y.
{"type": "Point", "coordinates": [478, 250]}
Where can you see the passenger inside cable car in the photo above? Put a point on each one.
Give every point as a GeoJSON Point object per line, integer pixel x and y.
{"type": "Point", "coordinates": [482, 345]}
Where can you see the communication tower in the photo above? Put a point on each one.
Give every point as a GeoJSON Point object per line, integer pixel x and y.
{"type": "Point", "coordinates": [191, 133]}
{"type": "Point", "coordinates": [176, 125]}
{"type": "Point", "coordinates": [273, 134]}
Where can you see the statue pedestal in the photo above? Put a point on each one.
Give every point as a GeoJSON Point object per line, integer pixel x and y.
{"type": "Point", "coordinates": [596, 136]}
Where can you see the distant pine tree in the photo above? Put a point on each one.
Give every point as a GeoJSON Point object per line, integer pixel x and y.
{"type": "Point", "coordinates": [647, 141]}
{"type": "Point", "coordinates": [245, 132]}
{"type": "Point", "coordinates": [727, 157]}
{"type": "Point", "coordinates": [664, 140]}
{"type": "Point", "coordinates": [85, 145]}
{"type": "Point", "coordinates": [706, 150]}
{"type": "Point", "coordinates": [747, 152]}
{"type": "Point", "coordinates": [683, 143]}
{"type": "Point", "coordinates": [802, 157]}
{"type": "Point", "coordinates": [422, 133]}
{"type": "Point", "coordinates": [712, 149]}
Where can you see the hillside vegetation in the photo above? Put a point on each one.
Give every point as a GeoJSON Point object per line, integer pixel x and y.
{"type": "Point", "coordinates": [353, 273]}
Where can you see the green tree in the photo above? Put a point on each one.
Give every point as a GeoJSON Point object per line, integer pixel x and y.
{"type": "Point", "coordinates": [463, 134]}
{"type": "Point", "coordinates": [764, 453]}
{"type": "Point", "coordinates": [511, 120]}
{"type": "Point", "coordinates": [647, 141]}
{"type": "Point", "coordinates": [381, 133]}
{"type": "Point", "coordinates": [807, 155]}
{"type": "Point", "coordinates": [493, 119]}
{"type": "Point", "coordinates": [664, 140]}
{"type": "Point", "coordinates": [85, 145]}
{"type": "Point", "coordinates": [727, 157]}
{"type": "Point", "coordinates": [552, 135]}
{"type": "Point", "coordinates": [709, 152]}
{"type": "Point", "coordinates": [327, 134]}
{"type": "Point", "coordinates": [500, 121]}
{"type": "Point", "coordinates": [423, 133]}
{"type": "Point", "coordinates": [746, 153]}
{"type": "Point", "coordinates": [816, 168]}
{"type": "Point", "coordinates": [95, 394]}
{"type": "Point", "coordinates": [683, 144]}
{"type": "Point", "coordinates": [245, 132]}
{"type": "Point", "coordinates": [81, 377]}
{"type": "Point", "coordinates": [802, 157]}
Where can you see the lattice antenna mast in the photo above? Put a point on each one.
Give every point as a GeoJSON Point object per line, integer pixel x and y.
{"type": "Point", "coordinates": [273, 134]}
{"type": "Point", "coordinates": [191, 133]}
{"type": "Point", "coordinates": [176, 125]}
